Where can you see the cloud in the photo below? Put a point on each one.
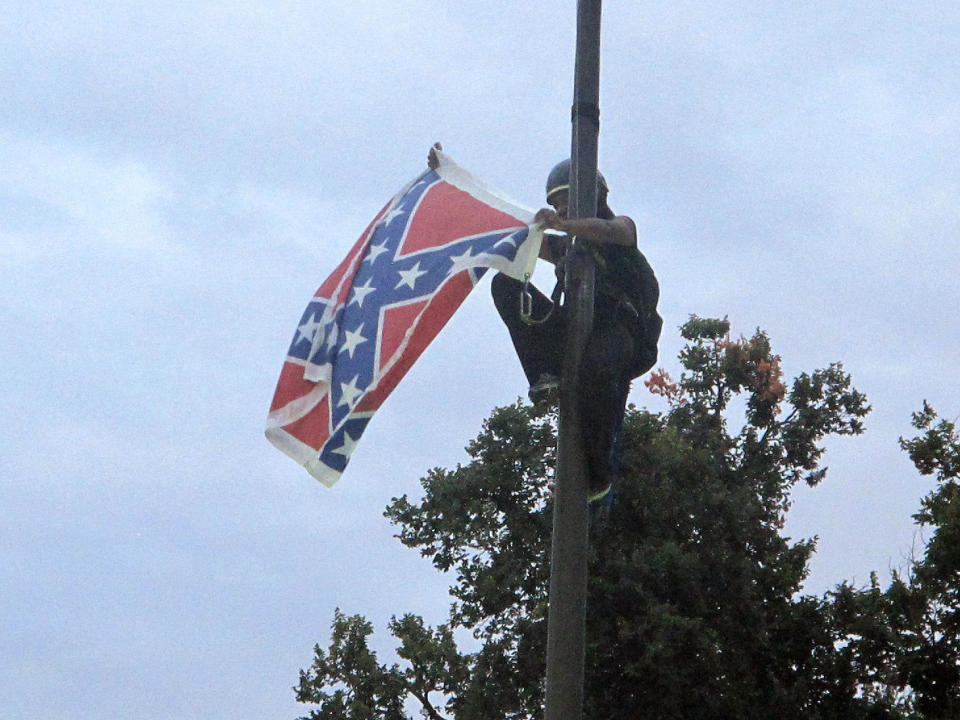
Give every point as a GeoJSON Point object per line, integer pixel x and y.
{"type": "Point", "coordinates": [67, 196]}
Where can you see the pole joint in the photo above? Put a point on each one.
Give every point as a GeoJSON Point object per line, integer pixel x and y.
{"type": "Point", "coordinates": [587, 110]}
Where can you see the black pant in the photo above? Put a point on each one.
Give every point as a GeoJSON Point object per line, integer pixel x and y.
{"type": "Point", "coordinates": [605, 372]}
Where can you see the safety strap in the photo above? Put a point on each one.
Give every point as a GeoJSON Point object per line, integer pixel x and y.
{"type": "Point", "coordinates": [526, 299]}
{"type": "Point", "coordinates": [526, 302]}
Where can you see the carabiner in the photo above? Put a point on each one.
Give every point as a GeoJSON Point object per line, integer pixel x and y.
{"type": "Point", "coordinates": [526, 301]}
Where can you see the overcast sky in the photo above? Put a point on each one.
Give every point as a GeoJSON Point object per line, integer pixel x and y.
{"type": "Point", "coordinates": [176, 179]}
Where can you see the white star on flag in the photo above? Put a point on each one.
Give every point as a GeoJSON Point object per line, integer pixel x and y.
{"type": "Point", "coordinates": [509, 239]}
{"type": "Point", "coordinates": [309, 329]}
{"type": "Point", "coordinates": [353, 338]}
{"type": "Point", "coordinates": [348, 445]}
{"type": "Point", "coordinates": [409, 277]}
{"type": "Point", "coordinates": [361, 291]}
{"type": "Point", "coordinates": [349, 392]}
{"type": "Point", "coordinates": [463, 262]}
{"type": "Point", "coordinates": [375, 251]}
{"type": "Point", "coordinates": [390, 216]}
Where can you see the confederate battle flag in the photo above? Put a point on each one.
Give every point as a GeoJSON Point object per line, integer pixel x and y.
{"type": "Point", "coordinates": [396, 288]}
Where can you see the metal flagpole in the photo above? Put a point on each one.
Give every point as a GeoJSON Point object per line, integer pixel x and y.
{"type": "Point", "coordinates": [568, 570]}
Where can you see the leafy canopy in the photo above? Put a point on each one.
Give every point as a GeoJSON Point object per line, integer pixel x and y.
{"type": "Point", "coordinates": [694, 606]}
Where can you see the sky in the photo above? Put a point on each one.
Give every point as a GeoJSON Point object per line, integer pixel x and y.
{"type": "Point", "coordinates": [176, 179]}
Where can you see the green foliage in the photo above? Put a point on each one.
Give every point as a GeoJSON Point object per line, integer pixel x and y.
{"type": "Point", "coordinates": [694, 608]}
{"type": "Point", "coordinates": [349, 683]}
{"type": "Point", "coordinates": [900, 647]}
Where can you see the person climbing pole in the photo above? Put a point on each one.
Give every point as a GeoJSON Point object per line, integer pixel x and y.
{"type": "Point", "coordinates": [622, 344]}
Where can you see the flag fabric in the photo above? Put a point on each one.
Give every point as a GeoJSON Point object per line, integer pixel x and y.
{"type": "Point", "coordinates": [372, 318]}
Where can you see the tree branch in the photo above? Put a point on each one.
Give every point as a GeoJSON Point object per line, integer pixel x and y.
{"type": "Point", "coordinates": [424, 700]}
{"type": "Point", "coordinates": [780, 425]}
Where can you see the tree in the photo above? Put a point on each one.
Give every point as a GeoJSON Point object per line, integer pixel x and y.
{"type": "Point", "coordinates": [693, 598]}
{"type": "Point", "coordinates": [931, 666]}
{"type": "Point", "coordinates": [901, 646]}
